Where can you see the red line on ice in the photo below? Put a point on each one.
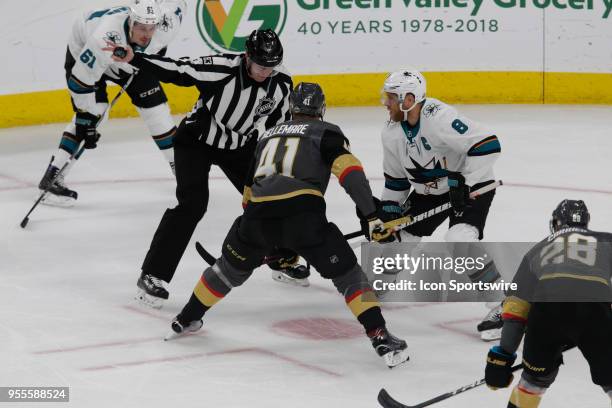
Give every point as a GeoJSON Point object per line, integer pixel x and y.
{"type": "Point", "coordinates": [143, 362]}
{"type": "Point", "coordinates": [280, 357]}
{"type": "Point", "coordinates": [255, 350]}
{"type": "Point", "coordinates": [99, 345]}
{"type": "Point", "coordinates": [449, 326]}
{"type": "Point", "coordinates": [136, 309]}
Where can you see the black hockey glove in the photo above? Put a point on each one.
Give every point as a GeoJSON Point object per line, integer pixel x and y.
{"type": "Point", "coordinates": [498, 373]}
{"type": "Point", "coordinates": [281, 259]}
{"type": "Point", "coordinates": [363, 220]}
{"type": "Point", "coordinates": [86, 129]}
{"type": "Point", "coordinates": [459, 193]}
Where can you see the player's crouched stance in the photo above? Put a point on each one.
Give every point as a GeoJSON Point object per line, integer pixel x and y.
{"type": "Point", "coordinates": [148, 26]}
{"type": "Point", "coordinates": [285, 208]}
{"type": "Point", "coordinates": [563, 299]}
{"type": "Point", "coordinates": [432, 155]}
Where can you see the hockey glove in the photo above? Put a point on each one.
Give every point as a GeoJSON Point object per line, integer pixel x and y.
{"type": "Point", "coordinates": [390, 210]}
{"type": "Point", "coordinates": [363, 220]}
{"type": "Point", "coordinates": [377, 232]}
{"type": "Point", "coordinates": [459, 193]}
{"type": "Point", "coordinates": [281, 259]}
{"type": "Point", "coordinates": [498, 372]}
{"type": "Point", "coordinates": [385, 211]}
{"type": "Point", "coordinates": [86, 129]}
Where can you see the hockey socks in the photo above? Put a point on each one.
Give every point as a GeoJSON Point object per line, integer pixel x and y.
{"type": "Point", "coordinates": [521, 398]}
{"type": "Point", "coordinates": [69, 144]}
{"type": "Point", "coordinates": [165, 142]}
{"type": "Point", "coordinates": [208, 291]}
{"type": "Point", "coordinates": [360, 298]}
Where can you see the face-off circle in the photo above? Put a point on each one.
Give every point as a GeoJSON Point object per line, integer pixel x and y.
{"type": "Point", "coordinates": [319, 328]}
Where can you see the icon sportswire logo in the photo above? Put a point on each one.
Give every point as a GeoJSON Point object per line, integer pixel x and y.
{"type": "Point", "coordinates": [225, 25]}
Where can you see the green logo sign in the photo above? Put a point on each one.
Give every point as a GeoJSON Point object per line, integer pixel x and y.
{"type": "Point", "coordinates": [227, 30]}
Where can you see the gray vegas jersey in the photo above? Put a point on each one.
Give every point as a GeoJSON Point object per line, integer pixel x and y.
{"type": "Point", "coordinates": [294, 160]}
{"type": "Point", "coordinates": [572, 265]}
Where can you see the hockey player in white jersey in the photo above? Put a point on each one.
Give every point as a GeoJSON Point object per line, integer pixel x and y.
{"type": "Point", "coordinates": [433, 154]}
{"type": "Point", "coordinates": [148, 26]}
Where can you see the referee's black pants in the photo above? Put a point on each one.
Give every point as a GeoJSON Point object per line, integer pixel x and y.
{"type": "Point", "coordinates": [192, 161]}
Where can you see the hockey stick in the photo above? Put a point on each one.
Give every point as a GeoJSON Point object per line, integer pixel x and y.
{"type": "Point", "coordinates": [205, 254]}
{"type": "Point", "coordinates": [210, 259]}
{"type": "Point", "coordinates": [403, 222]}
{"type": "Point", "coordinates": [387, 401]}
{"type": "Point", "coordinates": [78, 153]}
{"type": "Point", "coordinates": [353, 234]}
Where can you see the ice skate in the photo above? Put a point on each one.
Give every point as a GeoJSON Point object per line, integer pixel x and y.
{"type": "Point", "coordinates": [293, 275]}
{"type": "Point", "coordinates": [57, 192]}
{"type": "Point", "coordinates": [491, 327]}
{"type": "Point", "coordinates": [179, 330]}
{"type": "Point", "coordinates": [394, 351]}
{"type": "Point", "coordinates": [151, 291]}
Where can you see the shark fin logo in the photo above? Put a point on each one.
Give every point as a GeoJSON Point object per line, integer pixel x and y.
{"type": "Point", "coordinates": [226, 25]}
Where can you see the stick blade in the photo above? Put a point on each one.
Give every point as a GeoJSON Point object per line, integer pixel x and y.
{"type": "Point", "coordinates": [387, 401]}
{"type": "Point", "coordinates": [205, 254]}
{"type": "Point", "coordinates": [24, 222]}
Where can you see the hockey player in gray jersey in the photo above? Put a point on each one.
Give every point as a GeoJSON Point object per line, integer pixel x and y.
{"type": "Point", "coordinates": [149, 26]}
{"type": "Point", "coordinates": [563, 298]}
{"type": "Point", "coordinates": [285, 208]}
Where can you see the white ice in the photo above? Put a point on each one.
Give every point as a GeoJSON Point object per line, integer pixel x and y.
{"type": "Point", "coordinates": [67, 317]}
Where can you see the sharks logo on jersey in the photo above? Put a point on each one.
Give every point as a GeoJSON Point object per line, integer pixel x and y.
{"type": "Point", "coordinates": [431, 110]}
{"type": "Point", "coordinates": [113, 36]}
{"type": "Point", "coordinates": [166, 24]}
{"type": "Point", "coordinates": [431, 172]}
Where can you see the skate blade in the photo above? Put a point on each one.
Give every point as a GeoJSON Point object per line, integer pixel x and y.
{"type": "Point", "coordinates": [58, 201]}
{"type": "Point", "coordinates": [192, 328]}
{"type": "Point", "coordinates": [282, 278]}
{"type": "Point", "coordinates": [394, 359]}
{"type": "Point", "coordinates": [174, 335]}
{"type": "Point", "coordinates": [491, 335]}
{"type": "Point", "coordinates": [147, 300]}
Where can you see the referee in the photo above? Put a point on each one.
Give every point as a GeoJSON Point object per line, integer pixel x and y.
{"type": "Point", "coordinates": [240, 97]}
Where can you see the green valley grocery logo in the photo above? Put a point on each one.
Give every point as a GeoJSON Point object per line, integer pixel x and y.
{"type": "Point", "coordinates": [225, 31]}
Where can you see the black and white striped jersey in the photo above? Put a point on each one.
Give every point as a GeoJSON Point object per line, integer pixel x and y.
{"type": "Point", "coordinates": [232, 107]}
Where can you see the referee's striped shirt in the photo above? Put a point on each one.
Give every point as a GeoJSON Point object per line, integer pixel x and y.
{"type": "Point", "coordinates": [232, 107]}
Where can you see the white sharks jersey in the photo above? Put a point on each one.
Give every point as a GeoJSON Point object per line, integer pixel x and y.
{"type": "Point", "coordinates": [442, 141]}
{"type": "Point", "coordinates": [90, 35]}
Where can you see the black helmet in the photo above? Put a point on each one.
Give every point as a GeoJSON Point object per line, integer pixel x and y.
{"type": "Point", "coordinates": [570, 213]}
{"type": "Point", "coordinates": [264, 48]}
{"type": "Point", "coordinates": [307, 99]}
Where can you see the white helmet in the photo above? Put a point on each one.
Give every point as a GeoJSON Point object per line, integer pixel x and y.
{"type": "Point", "coordinates": [145, 12]}
{"type": "Point", "coordinates": [404, 82]}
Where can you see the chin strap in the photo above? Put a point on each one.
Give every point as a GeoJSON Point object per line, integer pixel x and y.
{"type": "Point", "coordinates": [407, 110]}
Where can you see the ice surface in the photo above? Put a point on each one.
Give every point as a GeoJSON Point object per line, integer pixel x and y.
{"type": "Point", "coordinates": [67, 317]}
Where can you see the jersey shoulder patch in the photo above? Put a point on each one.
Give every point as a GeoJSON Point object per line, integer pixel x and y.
{"type": "Point", "coordinates": [434, 109]}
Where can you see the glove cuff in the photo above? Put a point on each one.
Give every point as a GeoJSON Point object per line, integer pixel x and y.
{"type": "Point", "coordinates": [507, 359]}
